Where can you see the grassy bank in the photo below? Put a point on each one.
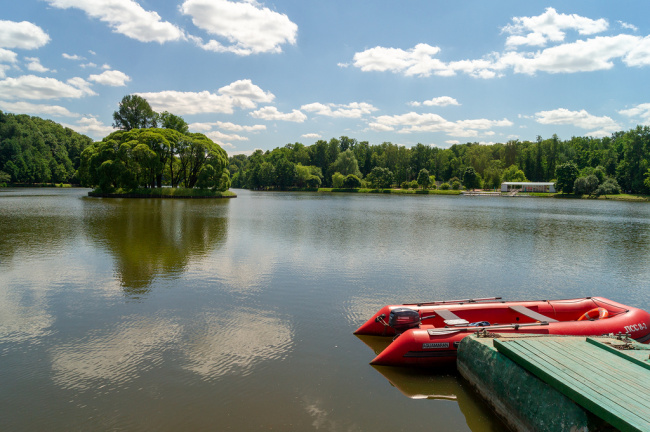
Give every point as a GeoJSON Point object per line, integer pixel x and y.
{"type": "Point", "coordinates": [394, 191]}
{"type": "Point", "coordinates": [163, 193]}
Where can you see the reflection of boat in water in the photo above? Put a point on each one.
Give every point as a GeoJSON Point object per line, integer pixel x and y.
{"type": "Point", "coordinates": [427, 385]}
{"type": "Point", "coordinates": [417, 384]}
{"type": "Point", "coordinates": [429, 333]}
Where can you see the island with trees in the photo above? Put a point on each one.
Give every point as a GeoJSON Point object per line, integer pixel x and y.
{"type": "Point", "coordinates": [151, 150]}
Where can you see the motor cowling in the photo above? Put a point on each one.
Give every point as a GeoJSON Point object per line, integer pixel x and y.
{"type": "Point", "coordinates": [402, 319]}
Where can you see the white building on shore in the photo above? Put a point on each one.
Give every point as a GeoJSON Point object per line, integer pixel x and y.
{"type": "Point", "coordinates": [528, 187]}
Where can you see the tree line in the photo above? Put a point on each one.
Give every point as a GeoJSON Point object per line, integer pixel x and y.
{"type": "Point", "coordinates": [621, 161]}
{"type": "Point", "coordinates": [33, 150]}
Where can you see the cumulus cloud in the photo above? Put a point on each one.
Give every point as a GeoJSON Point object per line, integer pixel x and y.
{"type": "Point", "coordinates": [244, 27]}
{"type": "Point", "coordinates": [641, 111]}
{"type": "Point", "coordinates": [90, 126]}
{"type": "Point", "coordinates": [34, 87]}
{"type": "Point", "coordinates": [111, 78]}
{"type": "Point", "coordinates": [34, 65]}
{"type": "Point", "coordinates": [583, 55]}
{"type": "Point", "coordinates": [272, 113]}
{"type": "Point", "coordinates": [311, 136]}
{"type": "Point", "coordinates": [549, 26]}
{"type": "Point", "coordinates": [601, 126]}
{"type": "Point", "coordinates": [22, 35]}
{"type": "Point", "coordinates": [245, 94]}
{"type": "Point", "coordinates": [239, 94]}
{"type": "Point", "coordinates": [439, 101]}
{"type": "Point", "coordinates": [126, 17]}
{"type": "Point", "coordinates": [413, 122]}
{"type": "Point", "coordinates": [74, 57]}
{"type": "Point", "coordinates": [36, 109]}
{"type": "Point", "coordinates": [232, 127]}
{"type": "Point", "coordinates": [352, 110]}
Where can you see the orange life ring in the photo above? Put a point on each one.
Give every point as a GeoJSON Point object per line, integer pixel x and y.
{"type": "Point", "coordinates": [595, 314]}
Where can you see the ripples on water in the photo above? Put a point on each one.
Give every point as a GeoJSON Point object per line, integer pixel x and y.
{"type": "Point", "coordinates": [238, 314]}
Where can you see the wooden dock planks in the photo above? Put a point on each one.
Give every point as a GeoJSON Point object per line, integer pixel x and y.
{"type": "Point", "coordinates": [611, 387]}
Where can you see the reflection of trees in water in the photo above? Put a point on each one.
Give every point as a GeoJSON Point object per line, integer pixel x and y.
{"type": "Point", "coordinates": [155, 237]}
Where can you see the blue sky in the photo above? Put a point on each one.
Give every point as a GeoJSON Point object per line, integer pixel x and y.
{"type": "Point", "coordinates": [263, 74]}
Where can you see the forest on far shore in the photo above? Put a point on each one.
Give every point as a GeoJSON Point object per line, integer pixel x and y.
{"type": "Point", "coordinates": [621, 160]}
{"type": "Point", "coordinates": [34, 150]}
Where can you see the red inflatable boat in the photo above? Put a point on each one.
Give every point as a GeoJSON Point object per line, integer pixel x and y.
{"type": "Point", "coordinates": [429, 333]}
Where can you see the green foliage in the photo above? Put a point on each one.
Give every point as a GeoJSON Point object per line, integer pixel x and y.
{"type": "Point", "coordinates": [143, 157]}
{"type": "Point", "coordinates": [171, 121]}
{"type": "Point", "coordinates": [33, 150]}
{"type": "Point", "coordinates": [424, 180]}
{"type": "Point", "coordinates": [346, 163]}
{"type": "Point", "coordinates": [608, 187]}
{"type": "Point", "coordinates": [471, 179]}
{"type": "Point", "coordinates": [586, 185]}
{"type": "Point", "coordinates": [351, 182]}
{"type": "Point", "coordinates": [566, 174]}
{"type": "Point", "coordinates": [445, 186]}
{"type": "Point", "coordinates": [380, 178]}
{"type": "Point", "coordinates": [337, 180]}
{"type": "Point", "coordinates": [455, 185]}
{"type": "Point", "coordinates": [134, 112]}
{"type": "Point", "coordinates": [513, 174]}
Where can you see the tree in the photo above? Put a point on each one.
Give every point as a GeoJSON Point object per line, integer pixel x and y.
{"type": "Point", "coordinates": [134, 112]}
{"type": "Point", "coordinates": [423, 178]}
{"type": "Point", "coordinates": [586, 185]}
{"type": "Point", "coordinates": [337, 180]}
{"type": "Point", "coordinates": [471, 179]}
{"type": "Point", "coordinates": [171, 121]}
{"type": "Point", "coordinates": [608, 187]}
{"type": "Point", "coordinates": [380, 178]}
{"type": "Point", "coordinates": [346, 163]}
{"type": "Point", "coordinates": [566, 175]}
{"type": "Point", "coordinates": [513, 174]}
{"type": "Point", "coordinates": [351, 182]}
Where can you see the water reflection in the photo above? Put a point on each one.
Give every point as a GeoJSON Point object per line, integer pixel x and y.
{"type": "Point", "coordinates": [232, 343]}
{"type": "Point", "coordinates": [108, 358]}
{"type": "Point", "coordinates": [446, 386]}
{"type": "Point", "coordinates": [152, 238]}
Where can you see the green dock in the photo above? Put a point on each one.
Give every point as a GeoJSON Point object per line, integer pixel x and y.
{"type": "Point", "coordinates": [554, 383]}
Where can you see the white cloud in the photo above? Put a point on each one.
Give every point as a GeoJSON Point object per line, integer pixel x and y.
{"type": "Point", "coordinates": [413, 122]}
{"type": "Point", "coordinates": [74, 57]}
{"type": "Point", "coordinates": [218, 136]}
{"type": "Point", "coordinates": [88, 65]}
{"type": "Point", "coordinates": [36, 109]}
{"type": "Point", "coordinates": [628, 26]}
{"type": "Point", "coordinates": [582, 119]}
{"type": "Point", "coordinates": [34, 87]}
{"type": "Point", "coordinates": [549, 26]}
{"type": "Point", "coordinates": [272, 113]}
{"type": "Point", "coordinates": [6, 56]}
{"type": "Point", "coordinates": [204, 127]}
{"type": "Point", "coordinates": [584, 55]}
{"type": "Point", "coordinates": [352, 110]}
{"type": "Point", "coordinates": [439, 101]}
{"type": "Point", "coordinates": [246, 27]}
{"type": "Point", "coordinates": [311, 136]}
{"type": "Point", "coordinates": [415, 61]}
{"type": "Point", "coordinates": [111, 78]}
{"type": "Point", "coordinates": [239, 94]}
{"type": "Point", "coordinates": [182, 103]}
{"type": "Point", "coordinates": [90, 126]}
{"type": "Point", "coordinates": [34, 65]}
{"type": "Point", "coordinates": [22, 35]}
{"type": "Point", "coordinates": [245, 94]}
{"type": "Point", "coordinates": [641, 111]}
{"type": "Point", "coordinates": [126, 17]}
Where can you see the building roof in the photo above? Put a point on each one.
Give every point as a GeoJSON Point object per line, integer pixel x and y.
{"type": "Point", "coordinates": [528, 183]}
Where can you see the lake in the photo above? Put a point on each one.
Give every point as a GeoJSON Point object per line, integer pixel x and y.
{"type": "Point", "coordinates": [166, 315]}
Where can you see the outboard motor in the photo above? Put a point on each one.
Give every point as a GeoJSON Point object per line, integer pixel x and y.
{"type": "Point", "coordinates": [402, 319]}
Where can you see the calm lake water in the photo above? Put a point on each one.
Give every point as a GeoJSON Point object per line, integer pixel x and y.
{"type": "Point", "coordinates": [238, 314]}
